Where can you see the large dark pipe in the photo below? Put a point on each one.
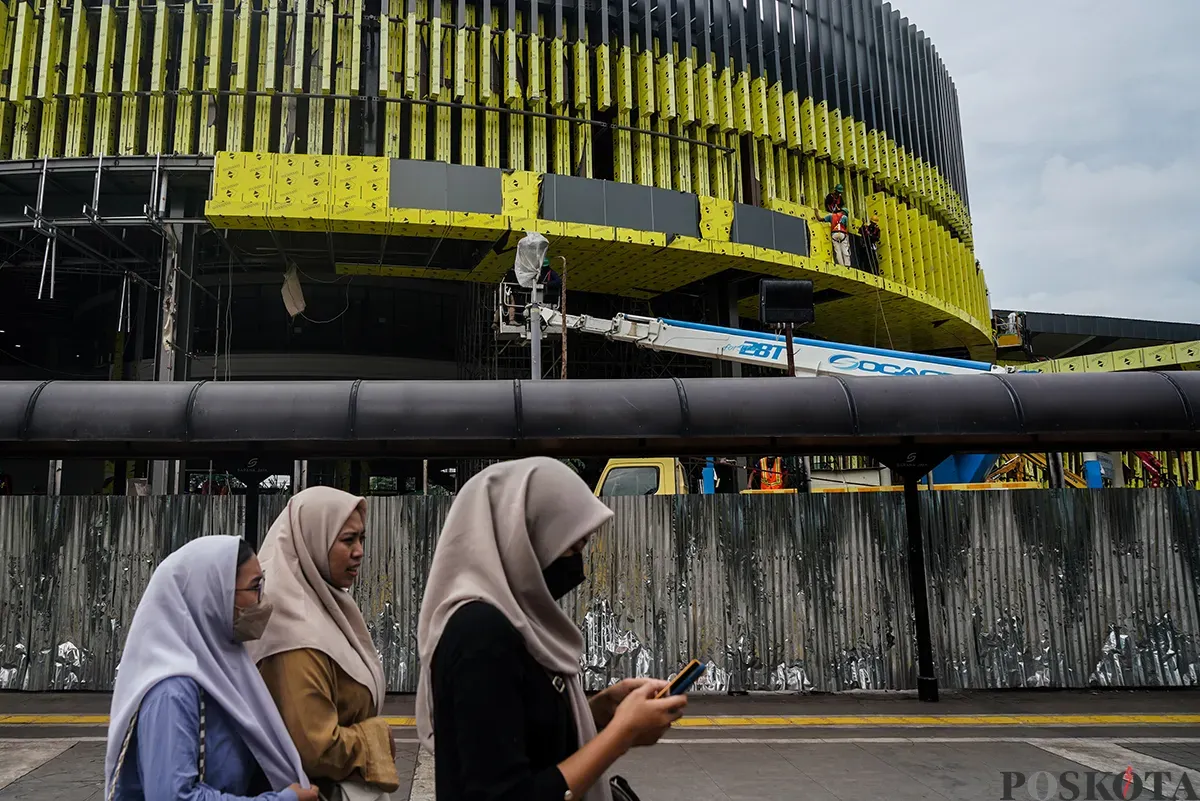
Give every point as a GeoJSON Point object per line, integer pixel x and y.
{"type": "Point", "coordinates": [727, 416]}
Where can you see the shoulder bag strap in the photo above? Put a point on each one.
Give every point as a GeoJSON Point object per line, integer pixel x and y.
{"type": "Point", "coordinates": [203, 712]}
{"type": "Point", "coordinates": [112, 787]}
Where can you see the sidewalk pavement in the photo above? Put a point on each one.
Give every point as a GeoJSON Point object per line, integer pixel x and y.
{"type": "Point", "coordinates": [816, 748]}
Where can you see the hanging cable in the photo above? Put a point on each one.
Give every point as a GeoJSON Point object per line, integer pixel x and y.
{"type": "Point", "coordinates": [337, 316]}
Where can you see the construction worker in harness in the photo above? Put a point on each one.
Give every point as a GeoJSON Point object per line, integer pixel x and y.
{"type": "Point", "coordinates": [834, 201]}
{"type": "Point", "coordinates": [839, 227]}
{"type": "Point", "coordinates": [870, 237]}
{"type": "Point", "coordinates": [770, 474]}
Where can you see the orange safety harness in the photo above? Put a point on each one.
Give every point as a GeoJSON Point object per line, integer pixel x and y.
{"type": "Point", "coordinates": [768, 478]}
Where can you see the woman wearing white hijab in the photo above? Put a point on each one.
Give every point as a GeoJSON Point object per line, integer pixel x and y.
{"type": "Point", "coordinates": [500, 692]}
{"type": "Point", "coordinates": [316, 654]}
{"type": "Point", "coordinates": [191, 718]}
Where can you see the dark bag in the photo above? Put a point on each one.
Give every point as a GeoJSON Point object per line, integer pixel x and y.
{"type": "Point", "coordinates": [621, 791]}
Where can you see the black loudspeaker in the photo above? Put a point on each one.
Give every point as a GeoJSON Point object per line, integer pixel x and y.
{"type": "Point", "coordinates": [781, 302]}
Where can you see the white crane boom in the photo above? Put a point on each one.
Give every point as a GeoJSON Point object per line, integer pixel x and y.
{"type": "Point", "coordinates": [812, 357]}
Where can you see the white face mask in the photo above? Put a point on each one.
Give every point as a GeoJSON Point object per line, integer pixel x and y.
{"type": "Point", "coordinates": [252, 621]}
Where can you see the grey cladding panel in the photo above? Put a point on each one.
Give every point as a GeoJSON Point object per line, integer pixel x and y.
{"type": "Point", "coordinates": [595, 202]}
{"type": "Point", "coordinates": [573, 200]}
{"type": "Point", "coordinates": [676, 212]}
{"type": "Point", "coordinates": [629, 206]}
{"type": "Point", "coordinates": [769, 229]}
{"type": "Point", "coordinates": [475, 189]}
{"type": "Point", "coordinates": [444, 187]}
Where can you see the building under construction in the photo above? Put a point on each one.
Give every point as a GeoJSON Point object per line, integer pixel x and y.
{"type": "Point", "coordinates": [299, 189]}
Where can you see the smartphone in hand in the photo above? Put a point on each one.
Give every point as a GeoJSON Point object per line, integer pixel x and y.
{"type": "Point", "coordinates": [684, 679]}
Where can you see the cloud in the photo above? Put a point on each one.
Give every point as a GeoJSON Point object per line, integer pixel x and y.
{"type": "Point", "coordinates": [1083, 166]}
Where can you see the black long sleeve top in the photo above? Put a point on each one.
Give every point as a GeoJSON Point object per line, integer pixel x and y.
{"type": "Point", "coordinates": [500, 725]}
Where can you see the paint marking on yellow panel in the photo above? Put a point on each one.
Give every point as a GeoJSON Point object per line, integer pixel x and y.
{"type": "Point", "coordinates": [625, 79]}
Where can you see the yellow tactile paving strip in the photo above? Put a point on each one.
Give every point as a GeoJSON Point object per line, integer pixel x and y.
{"type": "Point", "coordinates": [791, 721]}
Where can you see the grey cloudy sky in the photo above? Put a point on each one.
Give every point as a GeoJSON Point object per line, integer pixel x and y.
{"type": "Point", "coordinates": [1081, 121]}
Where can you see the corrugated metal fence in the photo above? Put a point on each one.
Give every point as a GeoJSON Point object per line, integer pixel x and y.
{"type": "Point", "coordinates": [1028, 588]}
{"type": "Point", "coordinates": [74, 570]}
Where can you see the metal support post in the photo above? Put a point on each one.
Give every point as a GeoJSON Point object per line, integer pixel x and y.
{"type": "Point", "coordinates": [535, 331]}
{"type": "Point", "coordinates": [1054, 471]}
{"type": "Point", "coordinates": [299, 475]}
{"type": "Point", "coordinates": [174, 318]}
{"type": "Point", "coordinates": [54, 478]}
{"type": "Point", "coordinates": [927, 688]}
{"type": "Point", "coordinates": [562, 312]}
{"type": "Point", "coordinates": [250, 532]}
{"type": "Point", "coordinates": [791, 352]}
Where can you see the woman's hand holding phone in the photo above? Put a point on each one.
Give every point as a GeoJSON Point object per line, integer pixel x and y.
{"type": "Point", "coordinates": [604, 703]}
{"type": "Point", "coordinates": [642, 719]}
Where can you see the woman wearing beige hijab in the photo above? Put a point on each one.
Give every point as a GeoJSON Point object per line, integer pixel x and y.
{"type": "Point", "coordinates": [316, 655]}
{"type": "Point", "coordinates": [500, 693]}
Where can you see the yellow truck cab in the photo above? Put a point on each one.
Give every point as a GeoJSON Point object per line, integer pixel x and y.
{"type": "Point", "coordinates": [652, 476]}
{"type": "Point", "coordinates": [657, 476]}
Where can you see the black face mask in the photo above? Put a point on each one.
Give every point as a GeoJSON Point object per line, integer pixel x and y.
{"type": "Point", "coordinates": [564, 574]}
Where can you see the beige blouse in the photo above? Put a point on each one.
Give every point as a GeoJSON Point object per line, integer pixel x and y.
{"type": "Point", "coordinates": [331, 718]}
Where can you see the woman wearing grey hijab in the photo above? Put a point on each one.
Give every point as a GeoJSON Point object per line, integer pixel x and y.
{"type": "Point", "coordinates": [500, 692]}
{"type": "Point", "coordinates": [191, 718]}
